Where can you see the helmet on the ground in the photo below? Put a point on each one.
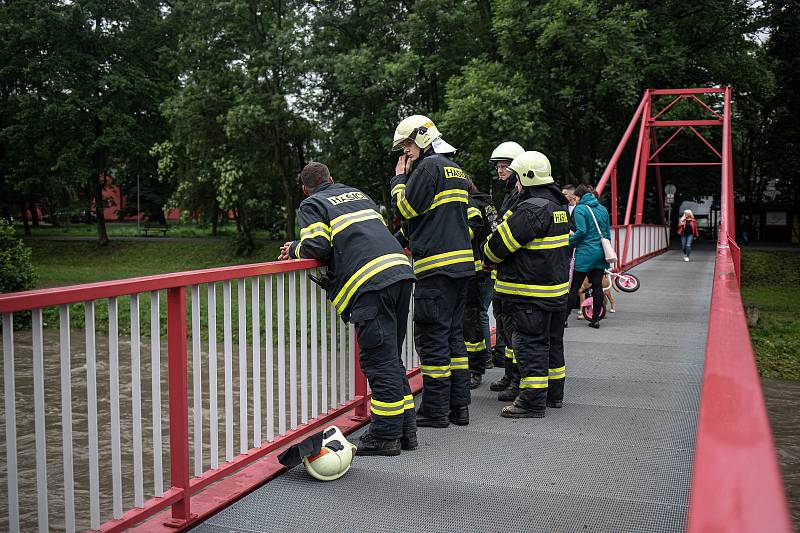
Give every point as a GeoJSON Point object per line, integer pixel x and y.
{"type": "Point", "coordinates": [506, 151]}
{"type": "Point", "coordinates": [532, 168]}
{"type": "Point", "coordinates": [418, 128]}
{"type": "Point", "coordinates": [334, 459]}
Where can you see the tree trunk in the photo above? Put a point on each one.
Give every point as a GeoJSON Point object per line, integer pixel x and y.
{"type": "Point", "coordinates": [215, 218]}
{"type": "Point", "coordinates": [34, 215]}
{"type": "Point", "coordinates": [25, 224]}
{"type": "Point", "coordinates": [96, 185]}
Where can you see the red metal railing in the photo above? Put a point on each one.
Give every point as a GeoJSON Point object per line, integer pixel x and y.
{"type": "Point", "coordinates": [736, 483]}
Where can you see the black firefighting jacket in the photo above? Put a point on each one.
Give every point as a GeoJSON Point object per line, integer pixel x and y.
{"type": "Point", "coordinates": [341, 226]}
{"type": "Point", "coordinates": [509, 197]}
{"type": "Point", "coordinates": [482, 220]}
{"type": "Point", "coordinates": [433, 201]}
{"type": "Point", "coordinates": [531, 249]}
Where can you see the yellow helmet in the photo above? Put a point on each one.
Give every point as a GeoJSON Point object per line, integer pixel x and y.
{"type": "Point", "coordinates": [418, 128]}
{"type": "Point", "coordinates": [506, 151]}
{"type": "Point", "coordinates": [334, 458]}
{"type": "Point", "coordinates": [532, 168]}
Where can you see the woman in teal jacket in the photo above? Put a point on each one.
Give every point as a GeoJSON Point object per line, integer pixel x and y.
{"type": "Point", "coordinates": [590, 259]}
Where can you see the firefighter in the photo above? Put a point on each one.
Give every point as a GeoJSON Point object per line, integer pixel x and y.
{"type": "Point", "coordinates": [481, 217]}
{"type": "Point", "coordinates": [369, 282]}
{"type": "Point", "coordinates": [531, 249]}
{"type": "Point", "coordinates": [504, 353]}
{"type": "Point", "coordinates": [429, 192]}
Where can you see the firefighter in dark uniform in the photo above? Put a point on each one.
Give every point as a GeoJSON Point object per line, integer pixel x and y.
{"type": "Point", "coordinates": [531, 249]}
{"type": "Point", "coordinates": [507, 385]}
{"type": "Point", "coordinates": [481, 216]}
{"type": "Point", "coordinates": [369, 281]}
{"type": "Point", "coordinates": [429, 192]}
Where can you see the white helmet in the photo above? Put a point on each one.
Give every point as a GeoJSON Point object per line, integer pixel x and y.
{"type": "Point", "coordinates": [418, 128]}
{"type": "Point", "coordinates": [506, 151]}
{"type": "Point", "coordinates": [334, 459]}
{"type": "Point", "coordinates": [532, 168]}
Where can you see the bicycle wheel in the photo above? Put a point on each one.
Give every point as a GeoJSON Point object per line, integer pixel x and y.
{"type": "Point", "coordinates": [627, 282]}
{"type": "Point", "coordinates": [588, 309]}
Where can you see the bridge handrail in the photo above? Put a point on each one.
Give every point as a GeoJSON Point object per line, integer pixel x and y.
{"type": "Point", "coordinates": [736, 484]}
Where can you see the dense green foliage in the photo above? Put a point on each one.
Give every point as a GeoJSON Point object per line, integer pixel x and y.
{"type": "Point", "coordinates": [770, 281]}
{"type": "Point", "coordinates": [216, 105]}
{"type": "Point", "coordinates": [16, 268]}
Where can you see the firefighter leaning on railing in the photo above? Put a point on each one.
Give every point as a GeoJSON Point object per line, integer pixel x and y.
{"type": "Point", "coordinates": [531, 251]}
{"type": "Point", "coordinates": [369, 281]}
{"type": "Point", "coordinates": [429, 193]}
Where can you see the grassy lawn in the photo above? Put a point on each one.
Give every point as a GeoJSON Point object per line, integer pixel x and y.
{"type": "Point", "coordinates": [770, 280]}
{"type": "Point", "coordinates": [128, 229]}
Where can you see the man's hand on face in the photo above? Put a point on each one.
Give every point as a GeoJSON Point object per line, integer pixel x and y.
{"type": "Point", "coordinates": [402, 163]}
{"type": "Point", "coordinates": [285, 251]}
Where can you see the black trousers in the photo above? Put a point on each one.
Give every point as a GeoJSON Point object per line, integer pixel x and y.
{"type": "Point", "coordinates": [477, 351]}
{"type": "Point", "coordinates": [439, 303]}
{"type": "Point", "coordinates": [380, 319]}
{"type": "Point", "coordinates": [505, 333]}
{"type": "Point", "coordinates": [499, 339]}
{"type": "Point", "coordinates": [596, 279]}
{"type": "Point", "coordinates": [539, 348]}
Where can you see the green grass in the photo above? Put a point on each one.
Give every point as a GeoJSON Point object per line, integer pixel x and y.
{"type": "Point", "coordinates": [770, 281]}
{"type": "Point", "coordinates": [128, 229]}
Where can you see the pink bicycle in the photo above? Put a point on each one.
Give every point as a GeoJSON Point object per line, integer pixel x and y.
{"type": "Point", "coordinates": [625, 282]}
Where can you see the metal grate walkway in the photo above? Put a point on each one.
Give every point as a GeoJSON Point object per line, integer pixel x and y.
{"type": "Point", "coordinates": [617, 457]}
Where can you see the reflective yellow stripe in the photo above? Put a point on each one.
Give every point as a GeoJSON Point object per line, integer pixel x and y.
{"type": "Point", "coordinates": [397, 188]}
{"type": "Point", "coordinates": [486, 250]}
{"type": "Point", "coordinates": [435, 371]}
{"type": "Point", "coordinates": [476, 346]}
{"type": "Point", "coordinates": [379, 264]}
{"type": "Point", "coordinates": [408, 400]}
{"type": "Point", "coordinates": [473, 212]}
{"type": "Point", "coordinates": [494, 275]}
{"type": "Point", "coordinates": [547, 243]}
{"type": "Point", "coordinates": [508, 239]}
{"type": "Point", "coordinates": [508, 352]}
{"type": "Point", "coordinates": [439, 260]}
{"type": "Point", "coordinates": [450, 195]}
{"type": "Point", "coordinates": [341, 222]}
{"type": "Point", "coordinates": [387, 408]}
{"type": "Point", "coordinates": [478, 265]}
{"type": "Point", "coordinates": [402, 204]}
{"type": "Point", "coordinates": [557, 373]}
{"type": "Point", "coordinates": [534, 291]}
{"type": "Point", "coordinates": [317, 229]}
{"type": "Point", "coordinates": [459, 363]}
{"type": "Point", "coordinates": [471, 233]}
{"type": "Point", "coordinates": [533, 382]}
{"type": "Point", "coordinates": [508, 214]}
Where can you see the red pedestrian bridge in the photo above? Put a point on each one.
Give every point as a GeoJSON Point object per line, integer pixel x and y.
{"type": "Point", "coordinates": [160, 403]}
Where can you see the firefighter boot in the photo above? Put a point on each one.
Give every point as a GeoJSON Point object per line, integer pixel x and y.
{"type": "Point", "coordinates": [424, 421]}
{"type": "Point", "coordinates": [459, 415]}
{"type": "Point", "coordinates": [475, 380]}
{"type": "Point", "coordinates": [409, 442]}
{"type": "Point", "coordinates": [371, 445]}
{"type": "Point", "coordinates": [515, 411]}
{"type": "Point", "coordinates": [510, 394]}
{"type": "Point", "coordinates": [500, 384]}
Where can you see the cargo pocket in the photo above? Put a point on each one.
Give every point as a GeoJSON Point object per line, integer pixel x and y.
{"type": "Point", "coordinates": [368, 329]}
{"type": "Point", "coordinates": [426, 306]}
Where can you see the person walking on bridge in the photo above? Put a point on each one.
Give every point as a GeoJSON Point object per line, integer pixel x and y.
{"type": "Point", "coordinates": [687, 229]}
{"type": "Point", "coordinates": [531, 249]}
{"type": "Point", "coordinates": [590, 220]}
{"type": "Point", "coordinates": [429, 192]}
{"type": "Point", "coordinates": [369, 281]}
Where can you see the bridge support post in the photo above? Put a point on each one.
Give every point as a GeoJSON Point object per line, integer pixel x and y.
{"type": "Point", "coordinates": [644, 158]}
{"type": "Point", "coordinates": [361, 412]}
{"type": "Point", "coordinates": [614, 207]}
{"type": "Point", "coordinates": [178, 404]}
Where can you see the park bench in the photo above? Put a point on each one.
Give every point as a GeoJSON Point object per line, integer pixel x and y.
{"type": "Point", "coordinates": [163, 228]}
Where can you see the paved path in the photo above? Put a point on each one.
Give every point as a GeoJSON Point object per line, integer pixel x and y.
{"type": "Point", "coordinates": [617, 457]}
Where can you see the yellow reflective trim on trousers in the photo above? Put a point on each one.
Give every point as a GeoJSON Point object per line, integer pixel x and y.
{"type": "Point", "coordinates": [387, 408]}
{"type": "Point", "coordinates": [450, 195]}
{"type": "Point", "coordinates": [447, 258]}
{"type": "Point", "coordinates": [476, 346]}
{"type": "Point", "coordinates": [459, 363]}
{"type": "Point", "coordinates": [493, 258]}
{"type": "Point", "coordinates": [386, 413]}
{"type": "Point", "coordinates": [379, 264]}
{"type": "Point", "coordinates": [535, 291]}
{"type": "Point", "coordinates": [557, 373]}
{"type": "Point", "coordinates": [548, 243]}
{"type": "Point", "coordinates": [508, 239]}
{"type": "Point", "coordinates": [478, 266]}
{"type": "Point", "coordinates": [387, 404]}
{"type": "Point", "coordinates": [533, 382]}
{"type": "Point", "coordinates": [508, 352]}
{"type": "Point", "coordinates": [409, 402]}
{"type": "Point", "coordinates": [473, 212]}
{"type": "Point", "coordinates": [435, 371]}
{"type": "Point", "coordinates": [341, 222]}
